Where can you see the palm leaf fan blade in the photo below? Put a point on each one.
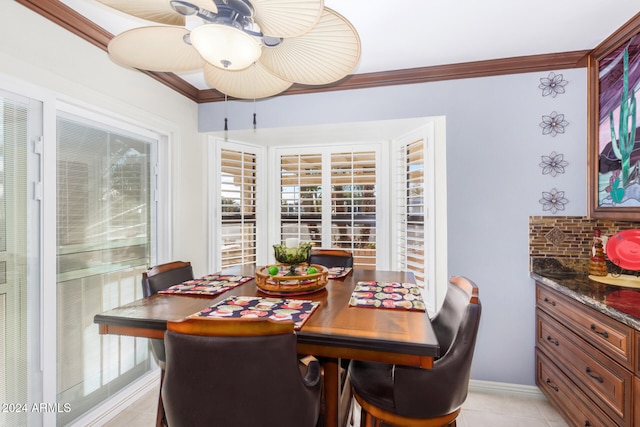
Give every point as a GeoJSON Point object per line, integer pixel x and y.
{"type": "Point", "coordinates": [254, 82]}
{"type": "Point", "coordinates": [287, 18]}
{"type": "Point", "coordinates": [160, 49]}
{"type": "Point", "coordinates": [327, 53]}
{"type": "Point", "coordinates": [158, 11]}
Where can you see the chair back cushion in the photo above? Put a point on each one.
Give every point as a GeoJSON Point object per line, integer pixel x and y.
{"type": "Point", "coordinates": [446, 323]}
{"type": "Point", "coordinates": [331, 258]}
{"type": "Point", "coordinates": [152, 283]}
{"type": "Point", "coordinates": [426, 393]}
{"type": "Point", "coordinates": [236, 381]}
{"type": "Point", "coordinates": [162, 277]}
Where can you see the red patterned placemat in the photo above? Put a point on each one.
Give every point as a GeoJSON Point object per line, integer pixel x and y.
{"type": "Point", "coordinates": [212, 284]}
{"type": "Point", "coordinates": [252, 307]}
{"type": "Point", "coordinates": [406, 296]}
{"type": "Point", "coordinates": [338, 272]}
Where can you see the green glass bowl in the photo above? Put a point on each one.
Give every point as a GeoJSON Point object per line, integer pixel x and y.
{"type": "Point", "coordinates": [292, 256]}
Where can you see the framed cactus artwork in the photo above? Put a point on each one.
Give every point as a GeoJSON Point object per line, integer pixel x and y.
{"type": "Point", "coordinates": [614, 140]}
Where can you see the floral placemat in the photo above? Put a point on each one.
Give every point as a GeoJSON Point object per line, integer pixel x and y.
{"type": "Point", "coordinates": [338, 272]}
{"type": "Point", "coordinates": [253, 307]}
{"type": "Point", "coordinates": [212, 284]}
{"type": "Point", "coordinates": [407, 296]}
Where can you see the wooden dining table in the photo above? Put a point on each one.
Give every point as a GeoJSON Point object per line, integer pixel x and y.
{"type": "Point", "coordinates": [335, 331]}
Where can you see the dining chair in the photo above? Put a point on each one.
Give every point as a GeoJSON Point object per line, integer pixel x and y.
{"type": "Point", "coordinates": [331, 257]}
{"type": "Point", "coordinates": [410, 396]}
{"type": "Point", "coordinates": [335, 257]}
{"type": "Point", "coordinates": [155, 279]}
{"type": "Point", "coordinates": [240, 373]}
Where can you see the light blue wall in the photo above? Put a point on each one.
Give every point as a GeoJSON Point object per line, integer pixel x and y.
{"type": "Point", "coordinates": [494, 182]}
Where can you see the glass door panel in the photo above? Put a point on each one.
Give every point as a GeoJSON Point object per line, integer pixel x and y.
{"type": "Point", "coordinates": [14, 139]}
{"type": "Point", "coordinates": [104, 217]}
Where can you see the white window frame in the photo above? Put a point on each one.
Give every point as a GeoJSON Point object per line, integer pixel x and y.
{"type": "Point", "coordinates": [436, 267]}
{"type": "Point", "coordinates": [160, 244]}
{"type": "Point", "coordinates": [216, 145]}
{"type": "Point", "coordinates": [42, 316]}
{"type": "Point", "coordinates": [431, 129]}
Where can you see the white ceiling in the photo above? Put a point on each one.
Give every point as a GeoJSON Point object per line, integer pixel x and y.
{"type": "Point", "coordinates": [402, 34]}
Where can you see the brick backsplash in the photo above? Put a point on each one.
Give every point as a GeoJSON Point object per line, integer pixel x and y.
{"type": "Point", "coordinates": [568, 239]}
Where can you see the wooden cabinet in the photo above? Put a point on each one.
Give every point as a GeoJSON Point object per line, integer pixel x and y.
{"type": "Point", "coordinates": [586, 362]}
{"type": "Point", "coordinates": [636, 397]}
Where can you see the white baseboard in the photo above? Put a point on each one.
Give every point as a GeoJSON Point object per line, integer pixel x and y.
{"type": "Point", "coordinates": [531, 391]}
{"type": "Point", "coordinates": [120, 401]}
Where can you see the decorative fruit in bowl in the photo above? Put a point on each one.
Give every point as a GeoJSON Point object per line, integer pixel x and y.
{"type": "Point", "coordinates": [273, 270]}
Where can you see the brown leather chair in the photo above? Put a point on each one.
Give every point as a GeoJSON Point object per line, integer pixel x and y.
{"type": "Point", "coordinates": [409, 396]}
{"type": "Point", "coordinates": [331, 257]}
{"type": "Point", "coordinates": [238, 372]}
{"type": "Point", "coordinates": [335, 258]}
{"type": "Point", "coordinates": [156, 279]}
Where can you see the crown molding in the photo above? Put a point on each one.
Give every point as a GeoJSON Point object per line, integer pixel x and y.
{"type": "Point", "coordinates": [494, 67]}
{"type": "Point", "coordinates": [63, 15]}
{"type": "Point", "coordinates": [627, 31]}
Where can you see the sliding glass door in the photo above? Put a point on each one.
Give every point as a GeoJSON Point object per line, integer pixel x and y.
{"type": "Point", "coordinates": [105, 211]}
{"type": "Point", "coordinates": [19, 259]}
{"type": "Point", "coordinates": [98, 220]}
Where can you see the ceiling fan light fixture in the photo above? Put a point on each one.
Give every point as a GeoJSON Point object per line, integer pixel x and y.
{"type": "Point", "coordinates": [225, 47]}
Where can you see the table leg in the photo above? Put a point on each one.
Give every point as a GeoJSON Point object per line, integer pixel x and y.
{"type": "Point", "coordinates": [331, 391]}
{"type": "Point", "coordinates": [345, 405]}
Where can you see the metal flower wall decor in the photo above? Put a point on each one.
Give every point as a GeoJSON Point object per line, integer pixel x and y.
{"type": "Point", "coordinates": [553, 124]}
{"type": "Point", "coordinates": [553, 164]}
{"type": "Point", "coordinates": [552, 85]}
{"type": "Point", "coordinates": [553, 201]}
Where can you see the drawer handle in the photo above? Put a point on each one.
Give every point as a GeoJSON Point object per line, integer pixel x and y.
{"type": "Point", "coordinates": [552, 341]}
{"type": "Point", "coordinates": [550, 384]}
{"type": "Point", "coordinates": [603, 333]}
{"type": "Point", "coordinates": [587, 424]}
{"type": "Point", "coordinates": [547, 300]}
{"type": "Point", "coordinates": [595, 377]}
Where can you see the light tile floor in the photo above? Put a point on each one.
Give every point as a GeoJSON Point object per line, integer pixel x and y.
{"type": "Point", "coordinates": [497, 409]}
{"type": "Point", "coordinates": [482, 409]}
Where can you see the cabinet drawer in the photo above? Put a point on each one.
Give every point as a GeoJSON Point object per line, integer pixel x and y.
{"type": "Point", "coordinates": [607, 383]}
{"type": "Point", "coordinates": [611, 337]}
{"type": "Point", "coordinates": [574, 405]}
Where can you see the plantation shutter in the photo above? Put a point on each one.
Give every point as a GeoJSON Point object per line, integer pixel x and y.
{"type": "Point", "coordinates": [238, 208]}
{"type": "Point", "coordinates": [353, 205]}
{"type": "Point", "coordinates": [301, 197]}
{"type": "Point", "coordinates": [345, 217]}
{"type": "Point", "coordinates": [411, 209]}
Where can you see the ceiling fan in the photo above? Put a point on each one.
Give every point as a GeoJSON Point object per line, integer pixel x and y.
{"type": "Point", "coordinates": [248, 49]}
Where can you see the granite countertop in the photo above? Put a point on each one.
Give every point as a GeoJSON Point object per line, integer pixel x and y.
{"type": "Point", "coordinates": [621, 304]}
